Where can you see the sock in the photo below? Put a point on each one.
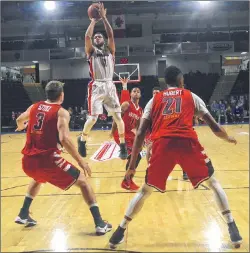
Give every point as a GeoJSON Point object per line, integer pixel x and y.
{"type": "Point", "coordinates": [26, 205]}
{"type": "Point", "coordinates": [84, 137]}
{"type": "Point", "coordinates": [125, 222]}
{"type": "Point", "coordinates": [94, 209]}
{"type": "Point", "coordinates": [227, 216]}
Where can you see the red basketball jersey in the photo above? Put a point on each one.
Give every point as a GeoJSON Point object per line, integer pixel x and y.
{"type": "Point", "coordinates": [42, 133]}
{"type": "Point", "coordinates": [130, 118]}
{"type": "Point", "coordinates": [172, 114]}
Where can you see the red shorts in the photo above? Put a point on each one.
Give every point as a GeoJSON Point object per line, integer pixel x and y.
{"type": "Point", "coordinates": [129, 143]}
{"type": "Point", "coordinates": [188, 153]}
{"type": "Point", "coordinates": [52, 169]}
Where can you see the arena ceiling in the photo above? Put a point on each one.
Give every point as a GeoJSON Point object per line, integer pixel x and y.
{"type": "Point", "coordinates": [28, 11]}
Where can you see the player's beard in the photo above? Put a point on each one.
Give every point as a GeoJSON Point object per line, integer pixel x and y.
{"type": "Point", "coordinates": [100, 45]}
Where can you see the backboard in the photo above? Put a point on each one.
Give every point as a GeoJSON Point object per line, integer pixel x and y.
{"type": "Point", "coordinates": [129, 70]}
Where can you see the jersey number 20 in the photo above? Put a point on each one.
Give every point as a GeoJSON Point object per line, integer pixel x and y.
{"type": "Point", "coordinates": [169, 106]}
{"type": "Point", "coordinates": [40, 117]}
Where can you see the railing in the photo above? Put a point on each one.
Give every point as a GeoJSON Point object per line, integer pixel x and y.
{"type": "Point", "coordinates": [121, 51]}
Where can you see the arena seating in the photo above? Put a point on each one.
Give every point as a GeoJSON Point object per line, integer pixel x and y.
{"type": "Point", "coordinates": [241, 85]}
{"type": "Point", "coordinates": [204, 36]}
{"type": "Point", "coordinates": [14, 98]}
{"type": "Point", "coordinates": [21, 45]}
{"type": "Point", "coordinates": [201, 84]}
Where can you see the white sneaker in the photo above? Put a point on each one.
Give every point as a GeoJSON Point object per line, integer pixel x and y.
{"type": "Point", "coordinates": [103, 230]}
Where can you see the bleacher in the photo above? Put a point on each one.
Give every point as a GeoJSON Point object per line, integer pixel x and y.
{"type": "Point", "coordinates": [14, 98]}
{"type": "Point", "coordinates": [201, 84]}
{"type": "Point", "coordinates": [241, 85]}
{"type": "Point", "coordinates": [35, 44]}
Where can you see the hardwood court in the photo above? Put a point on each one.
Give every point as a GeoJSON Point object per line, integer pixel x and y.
{"type": "Point", "coordinates": [181, 220]}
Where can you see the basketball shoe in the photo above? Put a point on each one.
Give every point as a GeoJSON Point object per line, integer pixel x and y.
{"type": "Point", "coordinates": [129, 185]}
{"type": "Point", "coordinates": [117, 237]}
{"type": "Point", "coordinates": [102, 230]}
{"type": "Point", "coordinates": [81, 147]}
{"type": "Point", "coordinates": [123, 151]}
{"type": "Point", "coordinates": [235, 237]}
{"type": "Point", "coordinates": [24, 218]}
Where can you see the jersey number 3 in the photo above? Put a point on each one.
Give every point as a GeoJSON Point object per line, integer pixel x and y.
{"type": "Point", "coordinates": [40, 117]}
{"type": "Point", "coordinates": [169, 106]}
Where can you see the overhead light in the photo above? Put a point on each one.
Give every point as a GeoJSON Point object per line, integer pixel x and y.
{"type": "Point", "coordinates": [164, 56]}
{"type": "Point", "coordinates": [204, 3]}
{"type": "Point", "coordinates": [49, 5]}
{"type": "Point", "coordinates": [35, 61]}
{"type": "Point", "coordinates": [244, 53]}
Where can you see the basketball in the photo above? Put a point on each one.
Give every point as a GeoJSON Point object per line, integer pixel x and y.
{"type": "Point", "coordinates": [93, 11]}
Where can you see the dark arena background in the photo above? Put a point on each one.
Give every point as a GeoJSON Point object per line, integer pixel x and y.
{"type": "Point", "coordinates": [208, 40]}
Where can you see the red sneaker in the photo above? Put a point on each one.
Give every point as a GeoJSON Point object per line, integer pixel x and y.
{"type": "Point", "coordinates": [133, 186]}
{"type": "Point", "coordinates": [129, 185]}
{"type": "Point", "coordinates": [125, 184]}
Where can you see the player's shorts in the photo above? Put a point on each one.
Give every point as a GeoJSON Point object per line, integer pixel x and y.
{"type": "Point", "coordinates": [188, 153]}
{"type": "Point", "coordinates": [129, 143]}
{"type": "Point", "coordinates": [102, 94]}
{"type": "Point", "coordinates": [52, 169]}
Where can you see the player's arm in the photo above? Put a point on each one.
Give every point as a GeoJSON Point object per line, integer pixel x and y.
{"type": "Point", "coordinates": [108, 28]}
{"type": "Point", "coordinates": [202, 112]}
{"type": "Point", "coordinates": [145, 124]}
{"type": "Point", "coordinates": [88, 38]}
{"type": "Point", "coordinates": [64, 137]}
{"type": "Point", "coordinates": [21, 121]}
{"type": "Point", "coordinates": [124, 108]}
{"type": "Point", "coordinates": [217, 129]}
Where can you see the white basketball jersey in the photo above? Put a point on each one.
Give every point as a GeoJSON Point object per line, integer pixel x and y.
{"type": "Point", "coordinates": [101, 65]}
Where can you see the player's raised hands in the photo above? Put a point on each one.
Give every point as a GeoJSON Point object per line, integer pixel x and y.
{"type": "Point", "coordinates": [124, 82]}
{"type": "Point", "coordinates": [85, 167]}
{"type": "Point", "coordinates": [102, 11]}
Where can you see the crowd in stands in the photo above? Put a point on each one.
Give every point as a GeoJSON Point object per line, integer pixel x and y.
{"type": "Point", "coordinates": [233, 110]}
{"type": "Point", "coordinates": [204, 37]}
{"type": "Point", "coordinates": [16, 100]}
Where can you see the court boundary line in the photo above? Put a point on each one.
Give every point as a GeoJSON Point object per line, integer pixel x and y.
{"type": "Point", "coordinates": [120, 192]}
{"type": "Point", "coordinates": [105, 172]}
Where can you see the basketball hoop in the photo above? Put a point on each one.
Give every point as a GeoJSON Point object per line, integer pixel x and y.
{"type": "Point", "coordinates": [130, 72]}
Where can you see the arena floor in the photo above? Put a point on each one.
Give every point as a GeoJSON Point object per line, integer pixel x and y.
{"type": "Point", "coordinates": [181, 220]}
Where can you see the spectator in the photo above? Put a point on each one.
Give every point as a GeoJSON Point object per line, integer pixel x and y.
{"type": "Point", "coordinates": [214, 109]}
{"type": "Point", "coordinates": [222, 112]}
{"type": "Point", "coordinates": [76, 110]}
{"type": "Point", "coordinates": [239, 112]}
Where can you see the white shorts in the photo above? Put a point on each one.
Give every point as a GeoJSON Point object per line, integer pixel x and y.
{"type": "Point", "coordinates": [101, 94]}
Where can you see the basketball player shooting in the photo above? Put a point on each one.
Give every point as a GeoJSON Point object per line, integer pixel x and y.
{"type": "Point", "coordinates": [101, 90]}
{"type": "Point", "coordinates": [131, 115]}
{"type": "Point", "coordinates": [170, 114]}
{"type": "Point", "coordinates": [48, 126]}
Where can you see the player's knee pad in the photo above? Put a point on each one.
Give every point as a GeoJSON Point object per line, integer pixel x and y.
{"type": "Point", "coordinates": [212, 182]}
{"type": "Point", "coordinates": [146, 191]}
